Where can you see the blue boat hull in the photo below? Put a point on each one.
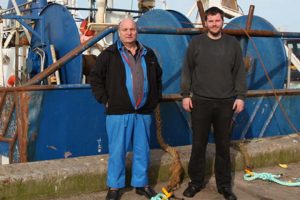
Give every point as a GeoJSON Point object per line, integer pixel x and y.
{"type": "Point", "coordinates": [72, 123]}
{"type": "Point", "coordinates": [68, 122]}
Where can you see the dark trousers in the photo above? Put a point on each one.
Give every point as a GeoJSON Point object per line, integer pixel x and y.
{"type": "Point", "coordinates": [205, 113]}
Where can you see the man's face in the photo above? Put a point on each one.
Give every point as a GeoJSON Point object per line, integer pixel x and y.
{"type": "Point", "coordinates": [214, 24]}
{"type": "Point", "coordinates": [127, 31]}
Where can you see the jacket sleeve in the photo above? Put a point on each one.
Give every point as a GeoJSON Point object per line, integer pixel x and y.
{"type": "Point", "coordinates": [240, 74]}
{"type": "Point", "coordinates": [186, 73]}
{"type": "Point", "coordinates": [159, 79]}
{"type": "Point", "coordinates": [98, 78]}
{"type": "Point", "coordinates": [158, 71]}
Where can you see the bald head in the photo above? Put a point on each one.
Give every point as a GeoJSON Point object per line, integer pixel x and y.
{"type": "Point", "coordinates": [127, 31]}
{"type": "Point", "coordinates": [126, 22]}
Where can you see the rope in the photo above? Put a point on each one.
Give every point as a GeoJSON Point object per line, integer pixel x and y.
{"type": "Point", "coordinates": [176, 168]}
{"type": "Point", "coordinates": [165, 195]}
{"type": "Point", "coordinates": [159, 196]}
{"type": "Point", "coordinates": [250, 176]}
{"type": "Point", "coordinates": [248, 164]}
{"type": "Point", "coordinates": [269, 79]}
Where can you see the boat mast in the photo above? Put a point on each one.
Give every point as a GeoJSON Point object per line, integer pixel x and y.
{"type": "Point", "coordinates": [101, 6]}
{"type": "Point", "coordinates": [1, 54]}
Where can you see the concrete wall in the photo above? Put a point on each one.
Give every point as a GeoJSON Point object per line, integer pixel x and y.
{"type": "Point", "coordinates": [57, 178]}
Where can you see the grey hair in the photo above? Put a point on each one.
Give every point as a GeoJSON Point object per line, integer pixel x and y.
{"type": "Point", "coordinates": [126, 18]}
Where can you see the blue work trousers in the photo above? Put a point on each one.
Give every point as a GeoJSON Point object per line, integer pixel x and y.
{"type": "Point", "coordinates": [122, 131]}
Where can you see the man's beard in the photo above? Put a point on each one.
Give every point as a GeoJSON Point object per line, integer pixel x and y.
{"type": "Point", "coordinates": [215, 33]}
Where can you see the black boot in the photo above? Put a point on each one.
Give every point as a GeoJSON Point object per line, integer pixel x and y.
{"type": "Point", "coordinates": [227, 193]}
{"type": "Point", "coordinates": [191, 190]}
{"type": "Point", "coordinates": [146, 191]}
{"type": "Point", "coordinates": [113, 194]}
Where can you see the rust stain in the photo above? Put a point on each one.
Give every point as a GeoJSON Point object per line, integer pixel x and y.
{"type": "Point", "coordinates": [18, 103]}
{"type": "Point", "coordinates": [22, 110]}
{"type": "Point", "coordinates": [33, 137]}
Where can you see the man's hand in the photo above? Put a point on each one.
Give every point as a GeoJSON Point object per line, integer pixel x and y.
{"type": "Point", "coordinates": [238, 106]}
{"type": "Point", "coordinates": [187, 104]}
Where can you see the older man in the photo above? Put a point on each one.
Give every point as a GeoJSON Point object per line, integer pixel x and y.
{"type": "Point", "coordinates": [127, 80]}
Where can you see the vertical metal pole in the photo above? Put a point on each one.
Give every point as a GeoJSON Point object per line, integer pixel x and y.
{"type": "Point", "coordinates": [22, 110]}
{"type": "Point", "coordinates": [101, 6]}
{"type": "Point", "coordinates": [54, 59]}
{"type": "Point", "coordinates": [250, 17]}
{"type": "Point", "coordinates": [288, 79]}
{"type": "Point", "coordinates": [201, 12]}
{"type": "Point", "coordinates": [17, 41]}
{"type": "Point", "coordinates": [23, 75]}
{"type": "Point", "coordinates": [1, 54]}
{"type": "Point", "coordinates": [73, 4]}
{"type": "Point", "coordinates": [110, 3]}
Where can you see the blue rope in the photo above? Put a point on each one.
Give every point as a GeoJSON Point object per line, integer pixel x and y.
{"type": "Point", "coordinates": [270, 177]}
{"type": "Point", "coordinates": [160, 196]}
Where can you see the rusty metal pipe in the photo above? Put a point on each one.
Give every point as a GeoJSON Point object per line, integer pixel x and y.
{"type": "Point", "coordinates": [3, 139]}
{"type": "Point", "coordinates": [69, 56]}
{"type": "Point", "coordinates": [148, 30]}
{"type": "Point", "coordinates": [11, 147]}
{"type": "Point", "coordinates": [262, 33]}
{"type": "Point", "coordinates": [201, 12]}
{"type": "Point", "coordinates": [28, 88]}
{"type": "Point", "coordinates": [196, 31]}
{"type": "Point", "coordinates": [169, 97]}
{"type": "Point", "coordinates": [250, 93]}
{"type": "Point", "coordinates": [250, 17]}
{"type": "Point", "coordinates": [22, 110]}
{"type": "Point", "coordinates": [8, 119]}
{"type": "Point", "coordinates": [2, 99]}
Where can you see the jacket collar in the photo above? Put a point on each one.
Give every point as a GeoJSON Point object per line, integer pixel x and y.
{"type": "Point", "coordinates": [115, 47]}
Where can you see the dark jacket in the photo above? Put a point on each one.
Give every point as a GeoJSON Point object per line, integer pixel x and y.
{"type": "Point", "coordinates": [108, 81]}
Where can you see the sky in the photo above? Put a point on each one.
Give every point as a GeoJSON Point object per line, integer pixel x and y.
{"type": "Point", "coordinates": [282, 14]}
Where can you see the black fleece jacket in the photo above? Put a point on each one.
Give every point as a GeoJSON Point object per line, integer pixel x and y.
{"type": "Point", "coordinates": [108, 82]}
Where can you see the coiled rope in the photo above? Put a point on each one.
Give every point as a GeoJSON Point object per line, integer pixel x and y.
{"type": "Point", "coordinates": [250, 176]}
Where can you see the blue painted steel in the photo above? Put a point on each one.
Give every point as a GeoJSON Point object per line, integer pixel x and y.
{"type": "Point", "coordinates": [70, 56]}
{"type": "Point", "coordinates": [268, 112]}
{"type": "Point", "coordinates": [170, 49]}
{"type": "Point", "coordinates": [271, 51]}
{"type": "Point", "coordinates": [74, 124]}
{"type": "Point", "coordinates": [22, 19]}
{"type": "Point", "coordinates": [67, 121]}
{"type": "Point", "coordinates": [35, 108]}
{"type": "Point", "coordinates": [271, 115]}
{"type": "Point", "coordinates": [61, 31]}
{"type": "Point", "coordinates": [4, 149]}
{"type": "Point", "coordinates": [35, 8]}
{"type": "Point", "coordinates": [71, 124]}
{"type": "Point", "coordinates": [79, 134]}
{"type": "Point", "coordinates": [19, 2]}
{"type": "Point", "coordinates": [183, 20]}
{"type": "Point", "coordinates": [251, 118]}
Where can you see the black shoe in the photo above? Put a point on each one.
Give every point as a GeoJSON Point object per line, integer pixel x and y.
{"type": "Point", "coordinates": [146, 191]}
{"type": "Point", "coordinates": [113, 194]}
{"type": "Point", "coordinates": [227, 193]}
{"type": "Point", "coordinates": [191, 190]}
